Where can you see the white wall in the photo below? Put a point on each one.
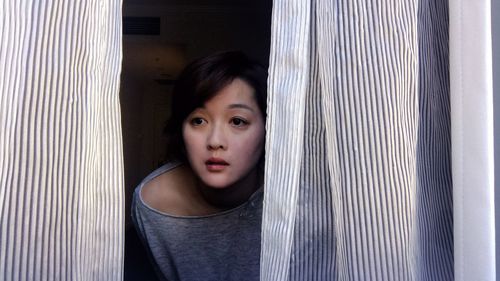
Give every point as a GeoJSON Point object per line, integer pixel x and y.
{"type": "Point", "coordinates": [495, 17]}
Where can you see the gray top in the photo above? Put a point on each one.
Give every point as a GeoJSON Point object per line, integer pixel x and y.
{"type": "Point", "coordinates": [222, 246]}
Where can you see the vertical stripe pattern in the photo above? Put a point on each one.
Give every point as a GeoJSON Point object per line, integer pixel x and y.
{"type": "Point", "coordinates": [358, 171]}
{"type": "Point", "coordinates": [61, 174]}
{"type": "Point", "coordinates": [288, 82]}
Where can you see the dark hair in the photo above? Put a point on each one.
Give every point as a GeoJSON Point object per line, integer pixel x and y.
{"type": "Point", "coordinates": [201, 80]}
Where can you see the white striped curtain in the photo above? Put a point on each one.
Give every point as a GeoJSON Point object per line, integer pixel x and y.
{"type": "Point", "coordinates": [61, 179]}
{"type": "Point", "coordinates": [375, 169]}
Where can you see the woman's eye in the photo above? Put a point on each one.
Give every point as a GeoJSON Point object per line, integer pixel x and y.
{"type": "Point", "coordinates": [197, 121]}
{"type": "Point", "coordinates": [238, 122]}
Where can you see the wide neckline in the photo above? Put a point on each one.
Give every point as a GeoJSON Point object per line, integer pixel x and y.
{"type": "Point", "coordinates": [169, 167]}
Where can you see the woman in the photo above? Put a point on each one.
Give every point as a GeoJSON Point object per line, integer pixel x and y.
{"type": "Point", "coordinates": [199, 215]}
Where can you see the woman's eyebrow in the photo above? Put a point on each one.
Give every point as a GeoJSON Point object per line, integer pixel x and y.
{"type": "Point", "coordinates": [240, 105]}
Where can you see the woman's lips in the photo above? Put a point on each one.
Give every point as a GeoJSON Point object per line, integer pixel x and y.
{"type": "Point", "coordinates": [216, 164]}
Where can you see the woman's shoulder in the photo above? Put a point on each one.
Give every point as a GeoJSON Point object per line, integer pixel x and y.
{"type": "Point", "coordinates": [164, 189]}
{"type": "Point", "coordinates": [172, 190]}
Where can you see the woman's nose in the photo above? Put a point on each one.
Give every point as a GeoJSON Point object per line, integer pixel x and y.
{"type": "Point", "coordinates": [216, 139]}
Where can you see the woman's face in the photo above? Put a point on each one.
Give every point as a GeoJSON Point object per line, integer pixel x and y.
{"type": "Point", "coordinates": [224, 139]}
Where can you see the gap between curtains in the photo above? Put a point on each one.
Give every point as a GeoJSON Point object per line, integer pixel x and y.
{"type": "Point", "coordinates": [358, 173]}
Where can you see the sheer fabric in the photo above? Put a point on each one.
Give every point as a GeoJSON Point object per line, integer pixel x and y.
{"type": "Point", "coordinates": [61, 175]}
{"type": "Point", "coordinates": [359, 166]}
{"type": "Point", "coordinates": [361, 149]}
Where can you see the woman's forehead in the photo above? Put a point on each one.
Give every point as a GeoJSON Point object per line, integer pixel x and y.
{"type": "Point", "coordinates": [237, 94]}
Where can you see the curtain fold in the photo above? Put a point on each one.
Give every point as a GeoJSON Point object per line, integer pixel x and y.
{"type": "Point", "coordinates": [367, 144]}
{"type": "Point", "coordinates": [358, 172]}
{"type": "Point", "coordinates": [287, 84]}
{"type": "Point", "coordinates": [61, 174]}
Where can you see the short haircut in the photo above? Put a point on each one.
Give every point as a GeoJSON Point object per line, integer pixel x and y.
{"type": "Point", "coordinates": [200, 81]}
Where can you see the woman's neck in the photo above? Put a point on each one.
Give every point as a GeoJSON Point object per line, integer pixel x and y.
{"type": "Point", "coordinates": [234, 195]}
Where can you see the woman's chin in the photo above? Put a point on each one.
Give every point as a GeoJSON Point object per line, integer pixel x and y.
{"type": "Point", "coordinates": [216, 184]}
